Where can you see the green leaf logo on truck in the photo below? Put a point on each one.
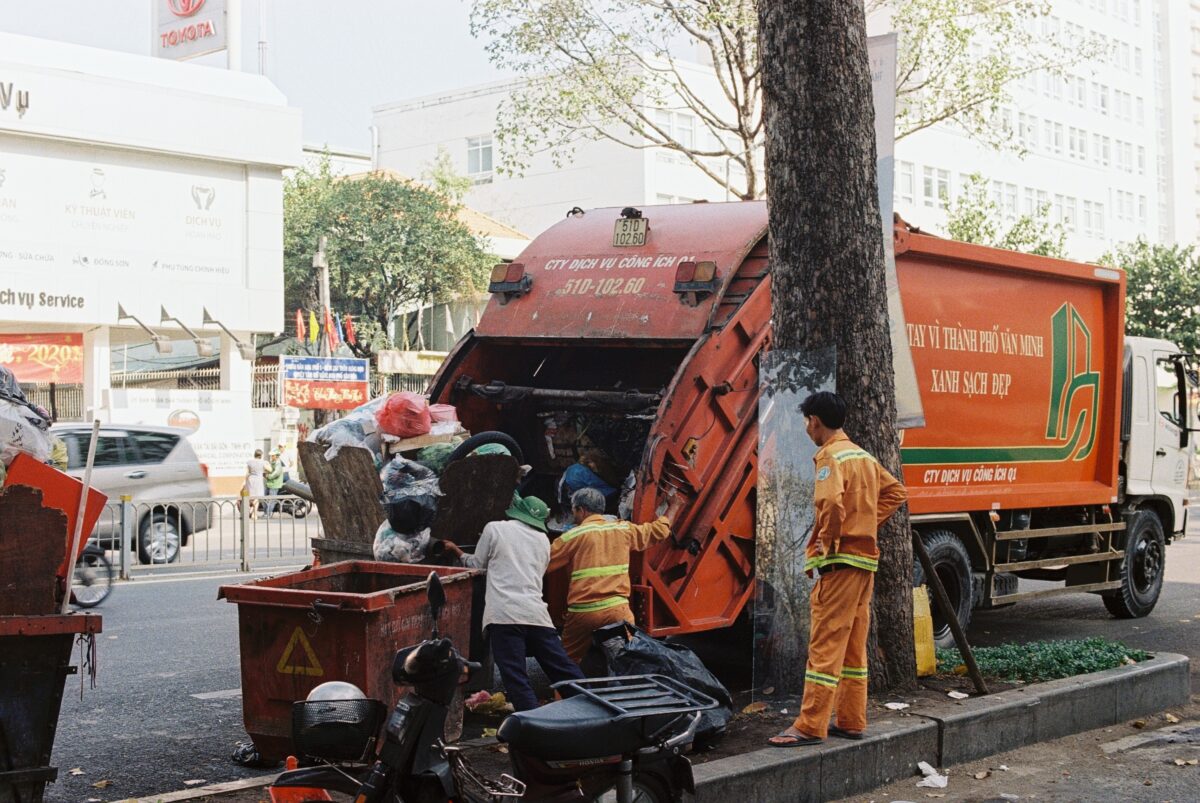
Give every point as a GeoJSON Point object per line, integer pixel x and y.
{"type": "Point", "coordinates": [1072, 380]}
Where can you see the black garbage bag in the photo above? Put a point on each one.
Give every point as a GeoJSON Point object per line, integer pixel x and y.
{"type": "Point", "coordinates": [644, 655]}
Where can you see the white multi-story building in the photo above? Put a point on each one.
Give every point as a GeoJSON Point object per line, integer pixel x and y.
{"type": "Point", "coordinates": [1111, 148]}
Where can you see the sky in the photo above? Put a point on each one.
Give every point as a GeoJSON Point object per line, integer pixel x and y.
{"type": "Point", "coordinates": [334, 59]}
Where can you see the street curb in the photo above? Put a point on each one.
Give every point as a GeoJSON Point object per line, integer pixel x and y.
{"type": "Point", "coordinates": [832, 770]}
{"type": "Point", "coordinates": [984, 726]}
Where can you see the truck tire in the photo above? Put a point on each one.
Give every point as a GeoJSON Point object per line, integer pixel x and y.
{"type": "Point", "coordinates": [953, 566]}
{"type": "Point", "coordinates": [1142, 569]}
{"type": "Point", "coordinates": [475, 441]}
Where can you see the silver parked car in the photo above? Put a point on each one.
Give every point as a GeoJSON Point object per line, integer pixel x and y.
{"type": "Point", "coordinates": [151, 465]}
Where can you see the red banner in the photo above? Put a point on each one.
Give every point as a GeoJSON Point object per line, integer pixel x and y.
{"type": "Point", "coordinates": [44, 357]}
{"type": "Point", "coordinates": [310, 394]}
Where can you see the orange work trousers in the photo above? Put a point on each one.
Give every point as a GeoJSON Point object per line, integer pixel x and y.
{"type": "Point", "coordinates": [836, 674]}
{"type": "Point", "coordinates": [579, 626]}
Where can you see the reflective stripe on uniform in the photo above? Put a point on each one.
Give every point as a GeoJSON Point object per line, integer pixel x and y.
{"type": "Point", "coordinates": [598, 605]}
{"type": "Point", "coordinates": [852, 454]}
{"type": "Point", "coordinates": [857, 561]}
{"type": "Point", "coordinates": [854, 672]}
{"type": "Point", "coordinates": [600, 571]}
{"type": "Point", "coordinates": [571, 535]}
{"type": "Point", "coordinates": [820, 678]}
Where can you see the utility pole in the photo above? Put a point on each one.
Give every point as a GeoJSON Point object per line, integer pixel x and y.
{"type": "Point", "coordinates": [320, 263]}
{"type": "Point", "coordinates": [233, 35]}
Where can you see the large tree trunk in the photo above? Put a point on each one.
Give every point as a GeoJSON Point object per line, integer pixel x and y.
{"type": "Point", "coordinates": [826, 256]}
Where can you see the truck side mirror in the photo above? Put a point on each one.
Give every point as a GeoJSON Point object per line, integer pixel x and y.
{"type": "Point", "coordinates": [1181, 405]}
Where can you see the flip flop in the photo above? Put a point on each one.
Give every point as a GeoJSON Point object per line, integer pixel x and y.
{"type": "Point", "coordinates": [842, 733]}
{"type": "Point", "coordinates": [793, 741]}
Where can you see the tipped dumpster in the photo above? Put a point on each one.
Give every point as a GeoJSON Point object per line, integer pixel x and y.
{"type": "Point", "coordinates": [343, 622]}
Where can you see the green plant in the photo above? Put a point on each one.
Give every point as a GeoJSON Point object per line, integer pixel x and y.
{"type": "Point", "coordinates": [1044, 660]}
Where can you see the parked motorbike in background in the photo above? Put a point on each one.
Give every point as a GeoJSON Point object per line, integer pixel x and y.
{"type": "Point", "coordinates": [618, 739]}
{"type": "Point", "coordinates": [93, 578]}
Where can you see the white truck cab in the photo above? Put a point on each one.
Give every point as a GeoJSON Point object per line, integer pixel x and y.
{"type": "Point", "coordinates": [1156, 430]}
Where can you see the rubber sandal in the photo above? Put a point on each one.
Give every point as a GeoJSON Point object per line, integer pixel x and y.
{"type": "Point", "coordinates": [794, 741]}
{"type": "Point", "coordinates": [842, 733]}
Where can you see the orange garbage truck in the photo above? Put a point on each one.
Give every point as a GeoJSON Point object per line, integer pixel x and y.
{"type": "Point", "coordinates": [1055, 448]}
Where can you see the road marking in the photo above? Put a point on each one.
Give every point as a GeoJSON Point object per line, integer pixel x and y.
{"type": "Point", "coordinates": [224, 694]}
{"type": "Point", "coordinates": [292, 664]}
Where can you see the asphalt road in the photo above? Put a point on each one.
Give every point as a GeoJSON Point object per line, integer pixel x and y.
{"type": "Point", "coordinates": [164, 641]}
{"type": "Point", "coordinates": [168, 639]}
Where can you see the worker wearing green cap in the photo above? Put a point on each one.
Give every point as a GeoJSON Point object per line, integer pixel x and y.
{"type": "Point", "coordinates": [515, 554]}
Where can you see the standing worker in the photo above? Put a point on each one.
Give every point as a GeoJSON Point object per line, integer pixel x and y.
{"type": "Point", "coordinates": [256, 470]}
{"type": "Point", "coordinates": [597, 550]}
{"type": "Point", "coordinates": [515, 553]}
{"type": "Point", "coordinates": [853, 495]}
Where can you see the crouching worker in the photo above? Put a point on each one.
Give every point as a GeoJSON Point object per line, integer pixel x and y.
{"type": "Point", "coordinates": [515, 554]}
{"type": "Point", "coordinates": [597, 552]}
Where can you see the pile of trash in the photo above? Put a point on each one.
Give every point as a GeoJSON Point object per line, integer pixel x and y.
{"type": "Point", "coordinates": [383, 425]}
{"type": "Point", "coordinates": [24, 427]}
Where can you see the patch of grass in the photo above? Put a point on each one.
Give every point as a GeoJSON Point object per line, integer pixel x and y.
{"type": "Point", "coordinates": [1044, 660]}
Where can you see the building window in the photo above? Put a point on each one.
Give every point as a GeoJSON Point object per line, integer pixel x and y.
{"type": "Point", "coordinates": [935, 186]}
{"type": "Point", "coordinates": [1010, 200]}
{"type": "Point", "coordinates": [679, 126]}
{"type": "Point", "coordinates": [1100, 97]}
{"type": "Point", "coordinates": [1068, 220]}
{"type": "Point", "coordinates": [1027, 130]}
{"type": "Point", "coordinates": [905, 182]}
{"type": "Point", "coordinates": [1142, 209]}
{"type": "Point", "coordinates": [479, 159]}
{"type": "Point", "coordinates": [1141, 160]}
{"type": "Point", "coordinates": [1088, 219]}
{"type": "Point", "coordinates": [1030, 206]}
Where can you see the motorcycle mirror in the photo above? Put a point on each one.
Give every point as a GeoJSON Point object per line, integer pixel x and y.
{"type": "Point", "coordinates": [437, 598]}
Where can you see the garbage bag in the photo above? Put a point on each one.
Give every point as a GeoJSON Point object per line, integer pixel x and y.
{"type": "Point", "coordinates": [643, 655]}
{"type": "Point", "coordinates": [398, 547]}
{"type": "Point", "coordinates": [22, 429]}
{"type": "Point", "coordinates": [435, 457]}
{"type": "Point", "coordinates": [355, 429]}
{"type": "Point", "coordinates": [443, 413]}
{"type": "Point", "coordinates": [404, 414]}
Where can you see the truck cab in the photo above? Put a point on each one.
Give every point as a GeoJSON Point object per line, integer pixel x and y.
{"type": "Point", "coordinates": [1158, 445]}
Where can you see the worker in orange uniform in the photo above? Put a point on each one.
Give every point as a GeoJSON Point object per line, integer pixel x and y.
{"type": "Point", "coordinates": [853, 495]}
{"type": "Point", "coordinates": [597, 552]}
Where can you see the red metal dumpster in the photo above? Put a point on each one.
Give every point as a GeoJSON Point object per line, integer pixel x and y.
{"type": "Point", "coordinates": [345, 622]}
{"type": "Point", "coordinates": [36, 659]}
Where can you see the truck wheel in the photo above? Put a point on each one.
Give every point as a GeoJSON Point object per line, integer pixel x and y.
{"type": "Point", "coordinates": [953, 568]}
{"type": "Point", "coordinates": [1142, 569]}
{"type": "Point", "coordinates": [475, 441]}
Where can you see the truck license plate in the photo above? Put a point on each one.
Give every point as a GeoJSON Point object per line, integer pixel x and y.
{"type": "Point", "coordinates": [630, 231]}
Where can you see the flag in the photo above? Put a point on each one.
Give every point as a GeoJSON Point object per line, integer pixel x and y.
{"type": "Point", "coordinates": [350, 338]}
{"type": "Point", "coordinates": [449, 325]}
{"type": "Point", "coordinates": [299, 325]}
{"type": "Point", "coordinates": [329, 331]}
{"type": "Point", "coordinates": [341, 332]}
{"type": "Point", "coordinates": [313, 329]}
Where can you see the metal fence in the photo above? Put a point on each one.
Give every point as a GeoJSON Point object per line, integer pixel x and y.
{"type": "Point", "coordinates": [63, 401]}
{"type": "Point", "coordinates": [239, 533]}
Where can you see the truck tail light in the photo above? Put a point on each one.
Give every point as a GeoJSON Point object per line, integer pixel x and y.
{"type": "Point", "coordinates": [510, 281]}
{"type": "Point", "coordinates": [695, 280]}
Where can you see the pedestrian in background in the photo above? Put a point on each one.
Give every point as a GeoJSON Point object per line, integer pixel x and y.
{"type": "Point", "coordinates": [852, 496]}
{"type": "Point", "coordinates": [256, 469]}
{"type": "Point", "coordinates": [274, 480]}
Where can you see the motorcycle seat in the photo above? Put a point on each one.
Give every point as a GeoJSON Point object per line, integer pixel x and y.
{"type": "Point", "coordinates": [579, 728]}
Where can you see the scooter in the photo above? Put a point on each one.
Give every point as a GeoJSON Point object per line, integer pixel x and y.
{"type": "Point", "coordinates": [619, 739]}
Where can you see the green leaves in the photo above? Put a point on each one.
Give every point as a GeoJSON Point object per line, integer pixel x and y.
{"type": "Point", "coordinates": [392, 244]}
{"type": "Point", "coordinates": [975, 218]}
{"type": "Point", "coordinates": [1162, 293]}
{"type": "Point", "coordinates": [1045, 660]}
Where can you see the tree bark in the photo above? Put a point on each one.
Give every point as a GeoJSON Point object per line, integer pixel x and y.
{"type": "Point", "coordinates": [827, 261]}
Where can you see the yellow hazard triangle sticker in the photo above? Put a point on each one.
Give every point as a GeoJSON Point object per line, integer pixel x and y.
{"type": "Point", "coordinates": [290, 661]}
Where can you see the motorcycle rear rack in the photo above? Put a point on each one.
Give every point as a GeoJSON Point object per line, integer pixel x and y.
{"type": "Point", "coordinates": [639, 695]}
{"type": "Point", "coordinates": [469, 780]}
